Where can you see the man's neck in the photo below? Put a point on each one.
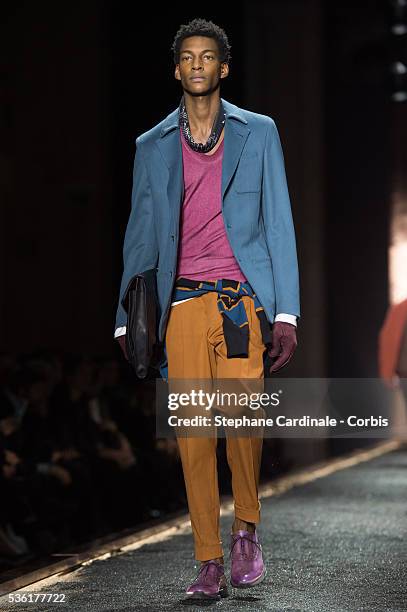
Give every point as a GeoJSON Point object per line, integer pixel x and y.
{"type": "Point", "coordinates": [201, 114]}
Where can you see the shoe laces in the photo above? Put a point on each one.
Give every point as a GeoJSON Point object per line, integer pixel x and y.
{"type": "Point", "coordinates": [204, 570]}
{"type": "Point", "coordinates": [242, 553]}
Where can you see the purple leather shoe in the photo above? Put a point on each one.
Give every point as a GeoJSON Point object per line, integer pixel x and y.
{"type": "Point", "coordinates": [210, 582]}
{"type": "Point", "coordinates": [247, 566]}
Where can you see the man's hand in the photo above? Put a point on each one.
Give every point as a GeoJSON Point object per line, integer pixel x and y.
{"type": "Point", "coordinates": [122, 341]}
{"type": "Point", "coordinates": [284, 342]}
{"type": "Point", "coordinates": [62, 474]}
{"type": "Point", "coordinates": [66, 454]}
{"type": "Point", "coordinates": [109, 425]}
{"type": "Point", "coordinates": [11, 457]}
{"type": "Point", "coordinates": [392, 383]}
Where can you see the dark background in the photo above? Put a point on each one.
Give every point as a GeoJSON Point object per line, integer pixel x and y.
{"type": "Point", "coordinates": [80, 81]}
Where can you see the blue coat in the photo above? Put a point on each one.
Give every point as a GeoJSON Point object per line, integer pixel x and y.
{"type": "Point", "coordinates": [255, 206]}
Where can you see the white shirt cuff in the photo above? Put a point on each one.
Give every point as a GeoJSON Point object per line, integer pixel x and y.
{"type": "Point", "coordinates": [286, 318]}
{"type": "Point", "coordinates": [120, 331]}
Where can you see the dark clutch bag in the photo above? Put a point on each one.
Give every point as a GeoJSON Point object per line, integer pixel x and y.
{"type": "Point", "coordinates": [140, 301]}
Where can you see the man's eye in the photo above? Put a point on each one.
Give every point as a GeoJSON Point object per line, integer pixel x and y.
{"type": "Point", "coordinates": [209, 56]}
{"type": "Point", "coordinates": [186, 57]}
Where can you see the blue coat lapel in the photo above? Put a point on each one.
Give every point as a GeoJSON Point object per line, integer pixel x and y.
{"type": "Point", "coordinates": [170, 146]}
{"type": "Point", "coordinates": [169, 143]}
{"type": "Point", "coordinates": [236, 133]}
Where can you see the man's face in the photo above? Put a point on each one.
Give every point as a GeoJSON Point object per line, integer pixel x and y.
{"type": "Point", "coordinates": [199, 68]}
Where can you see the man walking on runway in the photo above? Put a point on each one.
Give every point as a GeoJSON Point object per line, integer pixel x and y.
{"type": "Point", "coordinates": [211, 211]}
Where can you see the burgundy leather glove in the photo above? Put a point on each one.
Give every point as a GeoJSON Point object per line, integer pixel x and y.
{"type": "Point", "coordinates": [122, 341]}
{"type": "Point", "coordinates": [284, 342]}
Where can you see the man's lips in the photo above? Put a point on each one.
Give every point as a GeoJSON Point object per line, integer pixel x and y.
{"type": "Point", "coordinates": [198, 78]}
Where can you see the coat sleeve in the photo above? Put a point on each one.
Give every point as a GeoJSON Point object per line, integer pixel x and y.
{"type": "Point", "coordinates": [278, 225]}
{"type": "Point", "coordinates": [140, 250]}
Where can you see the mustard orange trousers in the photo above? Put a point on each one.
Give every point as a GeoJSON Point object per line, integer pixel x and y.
{"type": "Point", "coordinates": [196, 348]}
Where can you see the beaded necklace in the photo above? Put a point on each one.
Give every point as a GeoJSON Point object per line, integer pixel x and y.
{"type": "Point", "coordinates": [214, 135]}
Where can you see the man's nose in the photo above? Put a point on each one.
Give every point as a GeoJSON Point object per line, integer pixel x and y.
{"type": "Point", "coordinates": [197, 66]}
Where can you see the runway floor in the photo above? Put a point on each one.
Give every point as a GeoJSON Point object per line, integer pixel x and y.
{"type": "Point", "coordinates": [337, 543]}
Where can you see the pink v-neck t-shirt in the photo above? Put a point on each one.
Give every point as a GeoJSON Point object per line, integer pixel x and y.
{"type": "Point", "coordinates": [204, 249]}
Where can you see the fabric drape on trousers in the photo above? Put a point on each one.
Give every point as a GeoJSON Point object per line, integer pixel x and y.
{"type": "Point", "coordinates": [196, 349]}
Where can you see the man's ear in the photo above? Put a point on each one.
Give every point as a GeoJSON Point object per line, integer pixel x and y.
{"type": "Point", "coordinates": [224, 70]}
{"type": "Point", "coordinates": [176, 73]}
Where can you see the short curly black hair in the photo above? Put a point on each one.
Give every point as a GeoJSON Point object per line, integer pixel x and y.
{"type": "Point", "coordinates": [201, 27]}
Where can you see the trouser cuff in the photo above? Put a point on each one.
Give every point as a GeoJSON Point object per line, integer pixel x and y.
{"type": "Point", "coordinates": [204, 553]}
{"type": "Point", "coordinates": [248, 515]}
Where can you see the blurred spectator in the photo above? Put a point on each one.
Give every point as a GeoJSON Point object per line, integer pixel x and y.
{"type": "Point", "coordinates": [84, 426]}
{"type": "Point", "coordinates": [13, 506]}
{"type": "Point", "coordinates": [393, 347]}
{"type": "Point", "coordinates": [78, 453]}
